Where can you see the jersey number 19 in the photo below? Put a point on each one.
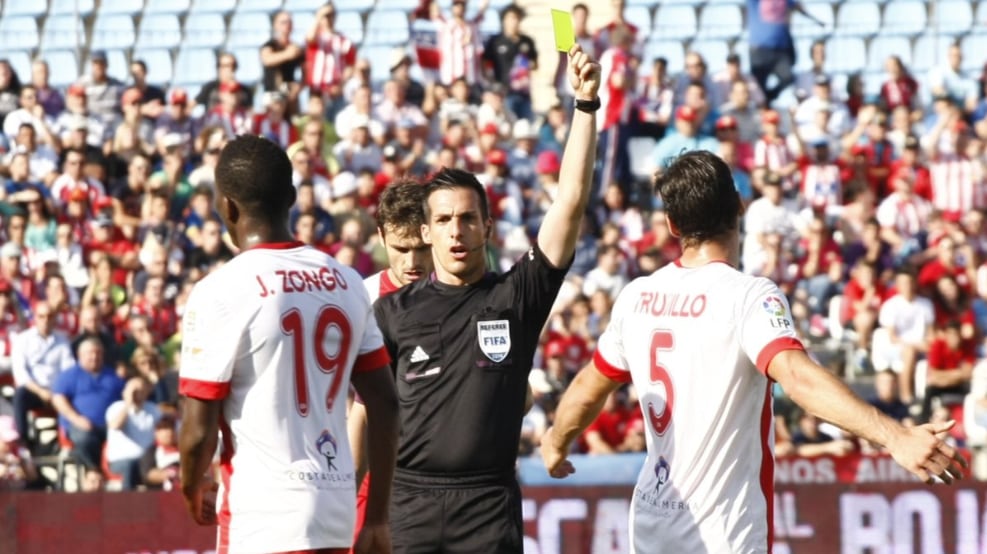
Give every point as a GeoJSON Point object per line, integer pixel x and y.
{"type": "Point", "coordinates": [330, 363]}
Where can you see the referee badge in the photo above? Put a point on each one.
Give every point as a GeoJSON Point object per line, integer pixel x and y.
{"type": "Point", "coordinates": [494, 338]}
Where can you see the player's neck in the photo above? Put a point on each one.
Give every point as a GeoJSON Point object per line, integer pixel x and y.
{"type": "Point", "coordinates": [709, 252]}
{"type": "Point", "coordinates": [254, 232]}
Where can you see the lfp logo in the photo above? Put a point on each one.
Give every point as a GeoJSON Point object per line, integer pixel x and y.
{"type": "Point", "coordinates": [777, 311]}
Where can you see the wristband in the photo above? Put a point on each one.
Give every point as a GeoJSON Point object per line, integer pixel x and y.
{"type": "Point", "coordinates": [588, 106]}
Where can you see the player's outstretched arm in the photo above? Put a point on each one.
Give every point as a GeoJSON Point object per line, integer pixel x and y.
{"type": "Point", "coordinates": [920, 450]}
{"type": "Point", "coordinates": [376, 388]}
{"type": "Point", "coordinates": [560, 229]}
{"type": "Point", "coordinates": [197, 445]}
{"type": "Point", "coordinates": [356, 428]}
{"type": "Point", "coordinates": [579, 406]}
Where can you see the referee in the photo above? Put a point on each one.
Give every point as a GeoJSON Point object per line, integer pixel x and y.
{"type": "Point", "coordinates": [462, 344]}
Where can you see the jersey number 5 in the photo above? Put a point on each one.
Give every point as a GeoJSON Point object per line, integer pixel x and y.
{"type": "Point", "coordinates": [661, 341]}
{"type": "Point", "coordinates": [331, 363]}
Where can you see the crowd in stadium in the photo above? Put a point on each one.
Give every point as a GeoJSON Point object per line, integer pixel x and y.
{"type": "Point", "coordinates": [868, 211]}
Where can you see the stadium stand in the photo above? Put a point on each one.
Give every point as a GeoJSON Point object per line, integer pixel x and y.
{"type": "Point", "coordinates": [248, 29]}
{"type": "Point", "coordinates": [18, 33]}
{"type": "Point", "coordinates": [159, 30]}
{"type": "Point", "coordinates": [112, 30]}
{"type": "Point", "coordinates": [674, 21]}
{"type": "Point", "coordinates": [204, 29]}
{"type": "Point", "coordinates": [173, 7]}
{"type": "Point", "coordinates": [159, 65]}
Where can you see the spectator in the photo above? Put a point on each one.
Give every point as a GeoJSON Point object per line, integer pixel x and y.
{"type": "Point", "coordinates": [810, 441]}
{"type": "Point", "coordinates": [68, 252]}
{"type": "Point", "coordinates": [951, 360]}
{"type": "Point", "coordinates": [886, 398]}
{"type": "Point", "coordinates": [78, 127]}
{"type": "Point", "coordinates": [946, 263]}
{"type": "Point", "coordinates": [511, 57]}
{"type": "Point", "coordinates": [102, 91]}
{"type": "Point", "coordinates": [957, 178]}
{"type": "Point", "coordinates": [609, 432]}
{"type": "Point", "coordinates": [42, 159]}
{"type": "Point", "coordinates": [30, 113]}
{"type": "Point", "coordinates": [772, 50]}
{"type": "Point", "coordinates": [819, 275]}
{"type": "Point", "coordinates": [273, 123]}
{"type": "Point", "coordinates": [227, 113]}
{"type": "Point", "coordinates": [82, 393]}
{"type": "Point", "coordinates": [329, 59]}
{"type": "Point", "coordinates": [358, 151]}
{"type": "Point", "coordinates": [305, 203]}
{"type": "Point", "coordinates": [901, 89]}
{"type": "Point", "coordinates": [906, 321]}
{"type": "Point", "coordinates": [72, 180]}
{"type": "Point", "coordinates": [303, 171]}
{"type": "Point", "coordinates": [360, 106]}
{"type": "Point", "coordinates": [607, 276]}
{"type": "Point", "coordinates": [821, 186]}
{"type": "Point", "coordinates": [772, 156]}
{"type": "Point", "coordinates": [654, 100]}
{"type": "Point", "coordinates": [63, 314]}
{"type": "Point", "coordinates": [948, 80]}
{"type": "Point", "coordinates": [400, 69]}
{"type": "Point", "coordinates": [724, 81]}
{"type": "Point", "coordinates": [210, 94]}
{"type": "Point", "coordinates": [822, 98]}
{"type": "Point", "coordinates": [50, 98]}
{"type": "Point", "coordinates": [159, 464]}
{"type": "Point", "coordinates": [869, 138]}
{"type": "Point", "coordinates": [903, 216]}
{"type": "Point", "coordinates": [460, 43]}
{"type": "Point", "coordinates": [806, 80]}
{"type": "Point", "coordinates": [90, 325]}
{"type": "Point", "coordinates": [580, 17]}
{"type": "Point", "coordinates": [952, 304]}
{"type": "Point", "coordinates": [152, 97]}
{"type": "Point", "coordinates": [212, 251]}
{"type": "Point", "coordinates": [10, 88]}
{"type": "Point", "coordinates": [910, 161]}
{"type": "Point", "coordinates": [744, 112]}
{"type": "Point", "coordinates": [176, 126]}
{"type": "Point", "coordinates": [131, 422]}
{"type": "Point", "coordinates": [603, 37]}
{"type": "Point", "coordinates": [395, 108]}
{"type": "Point", "coordinates": [213, 140]}
{"type": "Point", "coordinates": [685, 138]}
{"type": "Point", "coordinates": [770, 215]}
{"type": "Point", "coordinates": [281, 59]}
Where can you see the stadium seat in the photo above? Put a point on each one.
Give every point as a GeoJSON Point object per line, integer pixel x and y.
{"type": "Point", "coordinates": [33, 8]}
{"type": "Point", "coordinates": [19, 33]}
{"type": "Point", "coordinates": [117, 7]}
{"type": "Point", "coordinates": [904, 17]}
{"type": "Point", "coordinates": [638, 15]}
{"type": "Point", "coordinates": [63, 66]}
{"type": "Point", "coordinates": [698, 2]}
{"type": "Point", "coordinates": [249, 69]}
{"type": "Point", "coordinates": [858, 19]}
{"type": "Point", "coordinates": [362, 6]}
{"type": "Point", "coordinates": [674, 22]}
{"type": "Point", "coordinates": [212, 6]}
{"type": "Point", "coordinates": [62, 32]}
{"type": "Point", "coordinates": [845, 54]}
{"type": "Point", "coordinates": [378, 56]}
{"type": "Point", "coordinates": [873, 80]}
{"type": "Point", "coordinates": [803, 27]}
{"type": "Point", "coordinates": [71, 7]}
{"type": "Point", "coordinates": [714, 52]}
{"type": "Point", "coordinates": [883, 47]}
{"type": "Point", "coordinates": [263, 6]}
{"type": "Point", "coordinates": [20, 62]}
{"type": "Point", "coordinates": [175, 7]}
{"type": "Point", "coordinates": [193, 67]}
{"type": "Point", "coordinates": [113, 31]}
{"type": "Point", "coordinates": [249, 30]}
{"type": "Point", "coordinates": [489, 27]}
{"type": "Point", "coordinates": [720, 21]}
{"type": "Point", "coordinates": [304, 5]}
{"type": "Point", "coordinates": [671, 50]}
{"type": "Point", "coordinates": [350, 24]}
{"type": "Point", "coordinates": [639, 151]}
{"type": "Point", "coordinates": [929, 51]}
{"type": "Point", "coordinates": [159, 65]}
{"type": "Point", "coordinates": [951, 17]}
{"type": "Point", "coordinates": [803, 50]}
{"type": "Point", "coordinates": [161, 30]}
{"type": "Point", "coordinates": [973, 47]}
{"type": "Point", "coordinates": [387, 27]}
{"type": "Point", "coordinates": [204, 30]}
{"type": "Point", "coordinates": [301, 21]}
{"type": "Point", "coordinates": [117, 65]}
{"type": "Point", "coordinates": [743, 50]}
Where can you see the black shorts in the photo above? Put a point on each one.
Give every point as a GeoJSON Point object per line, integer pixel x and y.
{"type": "Point", "coordinates": [474, 515]}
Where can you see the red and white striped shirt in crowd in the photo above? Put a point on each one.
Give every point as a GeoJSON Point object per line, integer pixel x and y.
{"type": "Point", "coordinates": [615, 103]}
{"type": "Point", "coordinates": [67, 321]}
{"type": "Point", "coordinates": [460, 47]}
{"type": "Point", "coordinates": [326, 58]}
{"type": "Point", "coordinates": [282, 133]}
{"type": "Point", "coordinates": [234, 124]}
{"type": "Point", "coordinates": [906, 215]}
{"type": "Point", "coordinates": [957, 185]}
{"type": "Point", "coordinates": [773, 154]}
{"type": "Point", "coordinates": [821, 184]}
{"type": "Point", "coordinates": [65, 185]}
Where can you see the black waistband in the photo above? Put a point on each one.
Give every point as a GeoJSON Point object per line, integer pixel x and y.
{"type": "Point", "coordinates": [454, 480]}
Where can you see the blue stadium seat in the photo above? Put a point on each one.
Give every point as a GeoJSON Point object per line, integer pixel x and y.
{"type": "Point", "coordinates": [362, 6]}
{"type": "Point", "coordinates": [204, 30]}
{"type": "Point", "coordinates": [113, 31]}
{"type": "Point", "coordinates": [33, 8]}
{"type": "Point", "coordinates": [671, 50]}
{"type": "Point", "coordinates": [303, 5]}
{"type": "Point", "coordinates": [301, 22]}
{"type": "Point", "coordinates": [117, 65]}
{"type": "Point", "coordinates": [720, 21]}
{"type": "Point", "coordinates": [350, 24]}
{"type": "Point", "coordinates": [490, 26]}
{"type": "Point", "coordinates": [698, 2]}
{"type": "Point", "coordinates": [213, 6]}
{"type": "Point", "coordinates": [249, 29]}
{"type": "Point", "coordinates": [929, 51]}
{"type": "Point", "coordinates": [845, 54]}
{"type": "Point", "coordinates": [873, 82]}
{"type": "Point", "coordinates": [904, 17]}
{"type": "Point", "coordinates": [803, 27]}
{"type": "Point", "coordinates": [952, 17]}
{"type": "Point", "coordinates": [249, 69]}
{"type": "Point", "coordinates": [159, 65]}
{"type": "Point", "coordinates": [175, 7]}
{"type": "Point", "coordinates": [743, 50]}
{"type": "Point", "coordinates": [194, 66]}
{"type": "Point", "coordinates": [881, 48]}
{"type": "Point", "coordinates": [71, 7]}
{"type": "Point", "coordinates": [265, 6]}
{"type": "Point", "coordinates": [379, 56]}
{"type": "Point", "coordinates": [803, 49]}
{"type": "Point", "coordinates": [387, 27]}
{"type": "Point", "coordinates": [63, 67]}
{"type": "Point", "coordinates": [858, 19]}
{"type": "Point", "coordinates": [674, 22]}
{"type": "Point", "coordinates": [714, 52]}
{"type": "Point", "coordinates": [638, 15]}
{"type": "Point", "coordinates": [20, 62]}
{"type": "Point", "coordinates": [973, 48]}
{"type": "Point", "coordinates": [980, 15]}
{"type": "Point", "coordinates": [19, 32]}
{"type": "Point", "coordinates": [63, 32]}
{"type": "Point", "coordinates": [159, 30]}
{"type": "Point", "coordinates": [115, 7]}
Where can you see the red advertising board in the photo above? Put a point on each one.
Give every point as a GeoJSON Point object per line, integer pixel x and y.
{"type": "Point", "coordinates": [809, 519]}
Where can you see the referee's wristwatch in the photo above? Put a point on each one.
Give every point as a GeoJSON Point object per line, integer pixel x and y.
{"type": "Point", "coordinates": [588, 106]}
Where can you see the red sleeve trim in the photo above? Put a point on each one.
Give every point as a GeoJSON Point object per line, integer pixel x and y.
{"type": "Point", "coordinates": [372, 360]}
{"type": "Point", "coordinates": [772, 349]}
{"type": "Point", "coordinates": [609, 370]}
{"type": "Point", "coordinates": [203, 390]}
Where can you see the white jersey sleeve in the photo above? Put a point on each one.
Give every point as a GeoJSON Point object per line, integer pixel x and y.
{"type": "Point", "coordinates": [210, 344]}
{"type": "Point", "coordinates": [610, 358]}
{"type": "Point", "coordinates": [765, 324]}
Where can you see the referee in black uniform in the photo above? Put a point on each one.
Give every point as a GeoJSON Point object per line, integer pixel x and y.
{"type": "Point", "coordinates": [462, 344]}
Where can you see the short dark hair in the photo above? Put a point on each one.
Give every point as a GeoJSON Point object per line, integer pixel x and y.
{"type": "Point", "coordinates": [141, 63]}
{"type": "Point", "coordinates": [451, 178]}
{"type": "Point", "coordinates": [400, 207]}
{"type": "Point", "coordinates": [580, 6]}
{"type": "Point", "coordinates": [699, 196]}
{"type": "Point", "coordinates": [256, 173]}
{"type": "Point", "coordinates": [512, 8]}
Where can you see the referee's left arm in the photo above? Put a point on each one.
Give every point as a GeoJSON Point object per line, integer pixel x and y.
{"type": "Point", "coordinates": [560, 229]}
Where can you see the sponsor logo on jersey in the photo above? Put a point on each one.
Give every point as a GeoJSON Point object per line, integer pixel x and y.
{"type": "Point", "coordinates": [662, 472]}
{"type": "Point", "coordinates": [494, 338]}
{"type": "Point", "coordinates": [326, 445]}
{"type": "Point", "coordinates": [776, 310]}
{"type": "Point", "coordinates": [419, 355]}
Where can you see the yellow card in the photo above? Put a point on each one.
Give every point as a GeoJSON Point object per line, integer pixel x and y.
{"type": "Point", "coordinates": [565, 37]}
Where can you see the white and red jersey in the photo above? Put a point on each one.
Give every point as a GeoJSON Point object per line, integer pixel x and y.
{"type": "Point", "coordinates": [460, 47]}
{"type": "Point", "coordinates": [379, 284]}
{"type": "Point", "coordinates": [907, 216]}
{"type": "Point", "coordinates": [697, 343]}
{"type": "Point", "coordinates": [64, 188]}
{"type": "Point", "coordinates": [276, 333]}
{"type": "Point", "coordinates": [957, 185]}
{"type": "Point", "coordinates": [773, 154]}
{"type": "Point", "coordinates": [282, 133]}
{"type": "Point", "coordinates": [821, 184]}
{"type": "Point", "coordinates": [615, 101]}
{"type": "Point", "coordinates": [326, 58]}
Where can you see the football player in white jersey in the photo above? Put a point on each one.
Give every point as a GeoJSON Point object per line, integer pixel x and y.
{"type": "Point", "coordinates": [702, 343]}
{"type": "Point", "coordinates": [271, 342]}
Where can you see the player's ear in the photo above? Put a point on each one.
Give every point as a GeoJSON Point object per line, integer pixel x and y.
{"type": "Point", "coordinates": [380, 234]}
{"type": "Point", "coordinates": [672, 228]}
{"type": "Point", "coordinates": [426, 235]}
{"type": "Point", "coordinates": [232, 210]}
{"type": "Point", "coordinates": [490, 227]}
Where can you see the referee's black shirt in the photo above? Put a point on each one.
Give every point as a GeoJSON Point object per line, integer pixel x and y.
{"type": "Point", "coordinates": [461, 356]}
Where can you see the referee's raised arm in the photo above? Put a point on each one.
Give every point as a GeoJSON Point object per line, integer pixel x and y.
{"type": "Point", "coordinates": [560, 228]}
